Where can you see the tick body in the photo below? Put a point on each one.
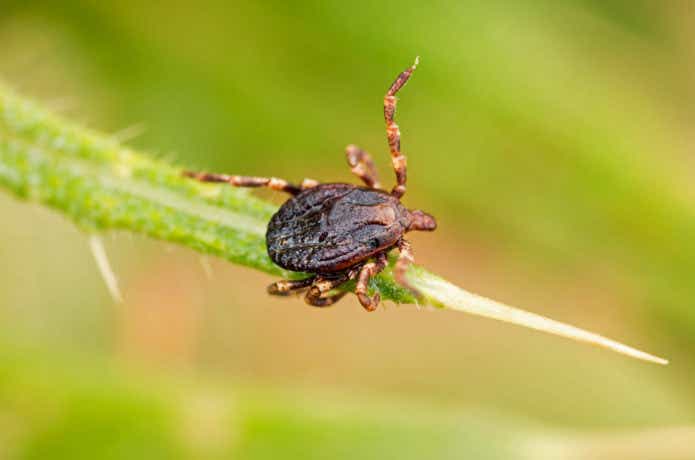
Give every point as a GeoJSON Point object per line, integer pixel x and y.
{"type": "Point", "coordinates": [340, 232]}
{"type": "Point", "coordinates": [332, 227]}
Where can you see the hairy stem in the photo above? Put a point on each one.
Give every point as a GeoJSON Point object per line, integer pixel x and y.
{"type": "Point", "coordinates": [101, 185]}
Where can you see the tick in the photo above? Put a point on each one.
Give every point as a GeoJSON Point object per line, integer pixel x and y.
{"type": "Point", "coordinates": [340, 232]}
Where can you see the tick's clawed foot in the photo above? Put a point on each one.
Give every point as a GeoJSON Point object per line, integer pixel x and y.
{"type": "Point", "coordinates": [315, 298]}
{"type": "Point", "coordinates": [369, 303]}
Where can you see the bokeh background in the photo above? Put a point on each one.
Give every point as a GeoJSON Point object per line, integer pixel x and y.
{"type": "Point", "coordinates": [552, 140]}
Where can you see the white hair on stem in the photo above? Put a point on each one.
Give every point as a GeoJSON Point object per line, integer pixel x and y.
{"type": "Point", "coordinates": [128, 133]}
{"type": "Point", "coordinates": [97, 246]}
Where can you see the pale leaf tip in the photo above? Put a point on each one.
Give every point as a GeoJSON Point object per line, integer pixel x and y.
{"type": "Point", "coordinates": [450, 296]}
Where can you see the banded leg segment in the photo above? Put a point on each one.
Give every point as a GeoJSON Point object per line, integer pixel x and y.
{"type": "Point", "coordinates": [370, 270]}
{"type": "Point", "coordinates": [272, 183]}
{"type": "Point", "coordinates": [393, 133]}
{"type": "Point", "coordinates": [287, 287]}
{"type": "Point", "coordinates": [317, 293]}
{"type": "Point", "coordinates": [405, 260]}
{"type": "Point", "coordinates": [362, 165]}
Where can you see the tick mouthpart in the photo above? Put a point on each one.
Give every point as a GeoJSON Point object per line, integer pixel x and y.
{"type": "Point", "coordinates": [421, 221]}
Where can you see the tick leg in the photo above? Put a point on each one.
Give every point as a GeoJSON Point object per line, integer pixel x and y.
{"type": "Point", "coordinates": [405, 259]}
{"type": "Point", "coordinates": [316, 295]}
{"type": "Point", "coordinates": [314, 298]}
{"type": "Point", "coordinates": [393, 133]}
{"type": "Point", "coordinates": [287, 287]}
{"type": "Point", "coordinates": [248, 181]}
{"type": "Point", "coordinates": [362, 165]}
{"type": "Point", "coordinates": [368, 271]}
{"type": "Point", "coordinates": [309, 183]}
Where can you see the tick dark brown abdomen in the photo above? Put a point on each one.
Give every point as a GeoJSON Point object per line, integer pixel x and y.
{"type": "Point", "coordinates": [330, 227]}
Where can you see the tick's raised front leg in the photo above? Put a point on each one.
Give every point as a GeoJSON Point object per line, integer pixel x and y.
{"type": "Point", "coordinates": [323, 285]}
{"type": "Point", "coordinates": [405, 260]}
{"type": "Point", "coordinates": [272, 183]}
{"type": "Point", "coordinates": [362, 165]}
{"type": "Point", "coordinates": [368, 271]}
{"type": "Point", "coordinates": [287, 287]}
{"type": "Point", "coordinates": [393, 133]}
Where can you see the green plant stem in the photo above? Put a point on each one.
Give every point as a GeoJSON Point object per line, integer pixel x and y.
{"type": "Point", "coordinates": [101, 185]}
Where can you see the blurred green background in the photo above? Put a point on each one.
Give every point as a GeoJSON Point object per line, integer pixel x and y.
{"type": "Point", "coordinates": [552, 140]}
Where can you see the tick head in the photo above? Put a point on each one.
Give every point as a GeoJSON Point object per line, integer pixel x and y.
{"type": "Point", "coordinates": [421, 221]}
